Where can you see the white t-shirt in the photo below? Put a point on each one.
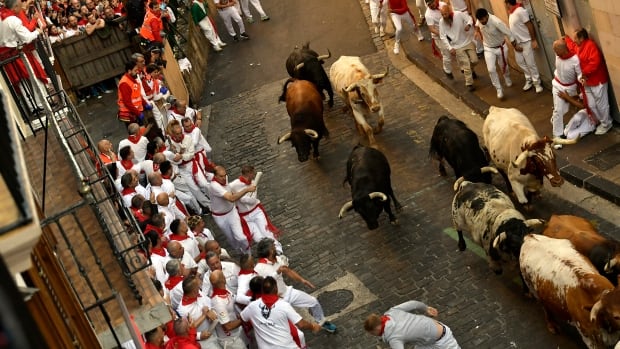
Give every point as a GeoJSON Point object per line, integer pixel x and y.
{"type": "Point", "coordinates": [271, 326]}
{"type": "Point", "coordinates": [494, 32]}
{"type": "Point", "coordinates": [224, 307]}
{"type": "Point", "coordinates": [243, 286]}
{"type": "Point", "coordinates": [454, 36]}
{"type": "Point", "coordinates": [230, 270]}
{"type": "Point", "coordinates": [268, 268]}
{"type": "Point", "coordinates": [139, 149]}
{"type": "Point", "coordinates": [516, 21]}
{"type": "Point", "coordinates": [433, 17]}
{"type": "Point", "coordinates": [218, 203]}
{"type": "Point", "coordinates": [194, 311]}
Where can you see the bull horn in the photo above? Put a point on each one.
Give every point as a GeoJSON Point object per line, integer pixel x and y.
{"type": "Point", "coordinates": [596, 308]}
{"type": "Point", "coordinates": [350, 87]}
{"type": "Point", "coordinates": [377, 194]}
{"type": "Point", "coordinates": [610, 265]}
{"type": "Point", "coordinates": [498, 240]}
{"type": "Point", "coordinates": [322, 57]}
{"type": "Point", "coordinates": [530, 223]}
{"type": "Point", "coordinates": [284, 138]}
{"type": "Point", "coordinates": [346, 207]}
{"type": "Point", "coordinates": [312, 133]}
{"type": "Point", "coordinates": [487, 169]}
{"type": "Point", "coordinates": [299, 66]}
{"type": "Point", "coordinates": [518, 163]}
{"type": "Point", "coordinates": [558, 140]}
{"type": "Point", "coordinates": [458, 182]}
{"type": "Point", "coordinates": [380, 76]}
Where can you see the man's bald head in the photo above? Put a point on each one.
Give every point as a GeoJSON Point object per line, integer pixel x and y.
{"type": "Point", "coordinates": [158, 158]}
{"type": "Point", "coordinates": [155, 179]}
{"type": "Point", "coordinates": [560, 48]}
{"type": "Point", "coordinates": [174, 248]}
{"type": "Point", "coordinates": [104, 146]}
{"type": "Point", "coordinates": [133, 128]}
{"type": "Point", "coordinates": [163, 199]}
{"type": "Point", "coordinates": [217, 279]}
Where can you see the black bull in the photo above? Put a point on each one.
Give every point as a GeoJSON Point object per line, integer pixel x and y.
{"type": "Point", "coordinates": [368, 174]}
{"type": "Point", "coordinates": [305, 108]}
{"type": "Point", "coordinates": [305, 64]}
{"type": "Point", "coordinates": [453, 141]}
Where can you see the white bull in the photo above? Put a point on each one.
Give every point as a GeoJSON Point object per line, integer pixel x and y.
{"type": "Point", "coordinates": [519, 153]}
{"type": "Point", "coordinates": [356, 86]}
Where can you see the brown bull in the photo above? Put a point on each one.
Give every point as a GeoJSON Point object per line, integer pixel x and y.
{"type": "Point", "coordinates": [304, 105]}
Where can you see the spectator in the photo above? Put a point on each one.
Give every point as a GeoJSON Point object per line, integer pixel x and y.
{"type": "Point", "coordinates": [398, 327]}
{"type": "Point", "coordinates": [201, 146]}
{"type": "Point", "coordinates": [180, 111]}
{"type": "Point", "coordinates": [594, 78]}
{"type": "Point", "coordinates": [493, 33]}
{"type": "Point", "coordinates": [270, 266]}
{"type": "Point", "coordinates": [136, 141]}
{"type": "Point", "coordinates": [199, 229]}
{"type": "Point", "coordinates": [525, 36]}
{"type": "Point", "coordinates": [252, 210]}
{"type": "Point", "coordinates": [174, 283]}
{"type": "Point", "coordinates": [154, 338]}
{"type": "Point", "coordinates": [271, 318]}
{"type": "Point", "coordinates": [110, 18]}
{"type": "Point", "coordinates": [106, 151]}
{"type": "Point", "coordinates": [185, 337]}
{"type": "Point", "coordinates": [229, 13]}
{"type": "Point", "coordinates": [179, 230]}
{"type": "Point", "coordinates": [94, 23]}
{"type": "Point", "coordinates": [455, 30]}
{"type": "Point", "coordinates": [433, 17]}
{"type": "Point", "coordinates": [378, 16]}
{"type": "Point", "coordinates": [399, 11]}
{"type": "Point", "coordinates": [565, 79]}
{"type": "Point", "coordinates": [257, 6]}
{"type": "Point", "coordinates": [198, 310]}
{"type": "Point", "coordinates": [225, 213]}
{"type": "Point", "coordinates": [152, 27]}
{"type": "Point", "coordinates": [201, 19]}
{"type": "Point", "coordinates": [131, 104]}
{"type": "Point", "coordinates": [54, 34]}
{"type": "Point", "coordinates": [228, 329]}
{"type": "Point", "coordinates": [213, 262]}
{"type": "Point", "coordinates": [176, 251]}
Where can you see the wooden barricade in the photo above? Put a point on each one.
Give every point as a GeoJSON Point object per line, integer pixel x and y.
{"type": "Point", "coordinates": [198, 53]}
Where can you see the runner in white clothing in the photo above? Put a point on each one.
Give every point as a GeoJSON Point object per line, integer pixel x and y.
{"type": "Point", "coordinates": [523, 31]}
{"type": "Point", "coordinates": [198, 309]}
{"type": "Point", "coordinates": [433, 17]}
{"type": "Point", "coordinates": [565, 79]}
{"type": "Point", "coordinates": [456, 32]}
{"type": "Point", "coordinates": [229, 332]}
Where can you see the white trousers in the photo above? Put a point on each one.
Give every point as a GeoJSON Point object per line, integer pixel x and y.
{"type": "Point", "coordinates": [446, 56]}
{"type": "Point", "coordinates": [421, 5]}
{"type": "Point", "coordinates": [446, 342]}
{"type": "Point", "coordinates": [579, 125]}
{"type": "Point", "coordinates": [301, 299]}
{"type": "Point", "coordinates": [560, 106]}
{"type": "Point", "coordinates": [230, 14]}
{"type": "Point", "coordinates": [497, 57]}
{"type": "Point", "coordinates": [256, 4]}
{"type": "Point", "coordinates": [209, 31]}
{"type": "Point", "coordinates": [210, 343]}
{"type": "Point", "coordinates": [378, 18]}
{"type": "Point", "coordinates": [598, 101]}
{"type": "Point", "coordinates": [230, 225]}
{"type": "Point", "coordinates": [398, 26]}
{"type": "Point", "coordinates": [527, 62]}
{"type": "Point", "coordinates": [185, 183]}
{"type": "Point", "coordinates": [258, 226]}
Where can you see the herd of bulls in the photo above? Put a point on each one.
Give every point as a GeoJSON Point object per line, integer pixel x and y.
{"type": "Point", "coordinates": [571, 269]}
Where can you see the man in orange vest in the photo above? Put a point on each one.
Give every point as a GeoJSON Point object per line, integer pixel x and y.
{"type": "Point", "coordinates": [130, 102]}
{"type": "Point", "coordinates": [152, 27]}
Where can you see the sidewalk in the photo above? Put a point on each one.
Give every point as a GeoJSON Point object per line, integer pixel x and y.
{"type": "Point", "coordinates": [591, 164]}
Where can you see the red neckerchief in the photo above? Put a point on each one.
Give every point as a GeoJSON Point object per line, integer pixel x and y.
{"type": "Point", "coordinates": [127, 164]}
{"type": "Point", "coordinates": [219, 292]}
{"type": "Point", "coordinates": [189, 300]}
{"type": "Point", "coordinates": [567, 56]}
{"type": "Point", "coordinates": [384, 319]}
{"type": "Point", "coordinates": [515, 7]}
{"type": "Point", "coordinates": [160, 251]}
{"type": "Point", "coordinates": [161, 149]}
{"type": "Point", "coordinates": [176, 237]}
{"type": "Point", "coordinates": [6, 13]}
{"type": "Point", "coordinates": [178, 139]}
{"type": "Point", "coordinates": [246, 272]}
{"type": "Point", "coordinates": [159, 230]}
{"type": "Point", "coordinates": [165, 176]}
{"type": "Point", "coordinates": [127, 191]}
{"type": "Point", "coordinates": [190, 130]}
{"type": "Point", "coordinates": [219, 181]}
{"type": "Point", "coordinates": [264, 260]}
{"type": "Point", "coordinates": [245, 180]}
{"type": "Point", "coordinates": [174, 110]}
{"type": "Point", "coordinates": [173, 281]}
{"type": "Point", "coordinates": [134, 138]}
{"type": "Point", "coordinates": [138, 214]}
{"type": "Point", "coordinates": [269, 299]}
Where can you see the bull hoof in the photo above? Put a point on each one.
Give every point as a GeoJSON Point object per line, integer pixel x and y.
{"type": "Point", "coordinates": [462, 246]}
{"type": "Point", "coordinates": [394, 222]}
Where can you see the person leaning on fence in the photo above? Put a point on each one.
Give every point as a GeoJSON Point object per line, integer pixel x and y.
{"type": "Point", "coordinates": [131, 105]}
{"type": "Point", "coordinates": [200, 17]}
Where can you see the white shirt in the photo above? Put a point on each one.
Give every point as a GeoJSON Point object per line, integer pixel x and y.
{"type": "Point", "coordinates": [231, 272]}
{"type": "Point", "coordinates": [219, 205]}
{"type": "Point", "coordinates": [568, 72]}
{"type": "Point", "coordinates": [158, 263]}
{"type": "Point", "coordinates": [13, 33]}
{"type": "Point", "coordinates": [139, 149]}
{"type": "Point", "coordinates": [147, 168]}
{"type": "Point", "coordinates": [204, 236]}
{"type": "Point", "coordinates": [271, 269]}
{"type": "Point", "coordinates": [189, 112]}
{"type": "Point", "coordinates": [189, 244]}
{"type": "Point", "coordinates": [200, 143]}
{"type": "Point", "coordinates": [454, 36]}
{"type": "Point", "coordinates": [185, 148]}
{"type": "Point", "coordinates": [459, 5]}
{"type": "Point", "coordinates": [247, 202]}
{"type": "Point", "coordinates": [224, 307]}
{"type": "Point", "coordinates": [194, 311]}
{"type": "Point", "coordinates": [494, 32]}
{"type": "Point", "coordinates": [272, 330]}
{"type": "Point", "coordinates": [433, 17]}
{"type": "Point", "coordinates": [175, 294]}
{"type": "Point", "coordinates": [516, 21]}
{"type": "Point", "coordinates": [243, 286]}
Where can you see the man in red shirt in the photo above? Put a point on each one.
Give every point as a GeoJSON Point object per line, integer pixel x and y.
{"type": "Point", "coordinates": [594, 78]}
{"type": "Point", "coordinates": [152, 26]}
{"type": "Point", "coordinates": [154, 338]}
{"type": "Point", "coordinates": [399, 11]}
{"type": "Point", "coordinates": [183, 338]}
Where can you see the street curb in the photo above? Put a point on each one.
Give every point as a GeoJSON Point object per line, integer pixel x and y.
{"type": "Point", "coordinates": [575, 175]}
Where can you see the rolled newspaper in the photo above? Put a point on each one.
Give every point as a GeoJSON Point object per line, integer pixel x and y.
{"type": "Point", "coordinates": [259, 174]}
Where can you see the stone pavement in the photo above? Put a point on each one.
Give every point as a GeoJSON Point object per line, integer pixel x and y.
{"type": "Point", "coordinates": [591, 164]}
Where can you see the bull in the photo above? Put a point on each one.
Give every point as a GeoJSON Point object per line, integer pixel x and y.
{"type": "Point", "coordinates": [602, 252]}
{"type": "Point", "coordinates": [521, 156]}
{"type": "Point", "coordinates": [491, 219]}
{"type": "Point", "coordinates": [305, 64]}
{"type": "Point", "coordinates": [453, 141]}
{"type": "Point", "coordinates": [305, 109]}
{"type": "Point", "coordinates": [368, 174]}
{"type": "Point", "coordinates": [571, 290]}
{"type": "Point", "coordinates": [357, 87]}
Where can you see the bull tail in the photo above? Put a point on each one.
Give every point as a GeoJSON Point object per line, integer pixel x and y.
{"type": "Point", "coordinates": [282, 98]}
